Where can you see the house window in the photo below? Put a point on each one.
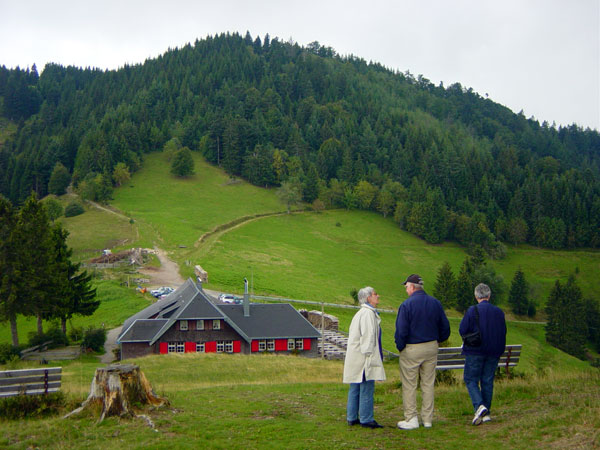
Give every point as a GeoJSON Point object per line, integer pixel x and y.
{"type": "Point", "coordinates": [180, 347]}
{"type": "Point", "coordinates": [216, 324]}
{"type": "Point", "coordinates": [200, 347]}
{"type": "Point", "coordinates": [299, 344]}
{"type": "Point", "coordinates": [220, 346]}
{"type": "Point", "coordinates": [229, 346]}
{"type": "Point", "coordinates": [271, 345]}
{"type": "Point", "coordinates": [200, 324]}
{"type": "Point", "coordinates": [262, 346]}
{"type": "Point", "coordinates": [171, 347]}
{"type": "Point", "coordinates": [183, 325]}
{"type": "Point", "coordinates": [291, 344]}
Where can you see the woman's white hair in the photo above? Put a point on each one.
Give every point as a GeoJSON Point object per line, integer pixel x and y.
{"type": "Point", "coordinates": [364, 294]}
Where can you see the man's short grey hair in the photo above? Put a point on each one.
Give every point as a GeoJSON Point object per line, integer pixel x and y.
{"type": "Point", "coordinates": [364, 294]}
{"type": "Point", "coordinates": [417, 286]}
{"type": "Point", "coordinates": [482, 291]}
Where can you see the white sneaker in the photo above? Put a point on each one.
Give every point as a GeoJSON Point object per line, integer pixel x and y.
{"type": "Point", "coordinates": [486, 418]}
{"type": "Point", "coordinates": [428, 424]}
{"type": "Point", "coordinates": [408, 424]}
{"type": "Point", "coordinates": [478, 417]}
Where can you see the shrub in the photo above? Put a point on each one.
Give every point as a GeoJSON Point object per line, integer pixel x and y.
{"type": "Point", "coordinates": [8, 352]}
{"type": "Point", "coordinates": [74, 209]}
{"type": "Point", "coordinates": [94, 338]}
{"type": "Point", "coordinates": [54, 335]}
{"type": "Point", "coordinates": [22, 406]}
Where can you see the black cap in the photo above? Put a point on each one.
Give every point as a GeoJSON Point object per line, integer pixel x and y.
{"type": "Point", "coordinates": [415, 279]}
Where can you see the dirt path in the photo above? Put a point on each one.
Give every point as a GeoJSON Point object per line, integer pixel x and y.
{"type": "Point", "coordinates": [165, 275]}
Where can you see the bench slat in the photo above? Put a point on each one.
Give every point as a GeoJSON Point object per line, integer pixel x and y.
{"type": "Point", "coordinates": [27, 372]}
{"type": "Point", "coordinates": [32, 392]}
{"type": "Point", "coordinates": [28, 380]}
{"type": "Point", "coordinates": [29, 387]}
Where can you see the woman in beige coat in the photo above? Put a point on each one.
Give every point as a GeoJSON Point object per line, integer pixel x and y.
{"type": "Point", "coordinates": [364, 360]}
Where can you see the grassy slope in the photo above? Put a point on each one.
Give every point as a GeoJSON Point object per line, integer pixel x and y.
{"type": "Point", "coordinates": [288, 402]}
{"type": "Point", "coordinates": [270, 401]}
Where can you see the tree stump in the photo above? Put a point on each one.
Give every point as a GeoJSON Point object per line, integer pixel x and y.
{"type": "Point", "coordinates": [117, 388]}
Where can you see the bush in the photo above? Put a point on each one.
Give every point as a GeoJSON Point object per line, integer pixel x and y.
{"type": "Point", "coordinates": [74, 209]}
{"type": "Point", "coordinates": [22, 406]}
{"type": "Point", "coordinates": [54, 335]}
{"type": "Point", "coordinates": [8, 353]}
{"type": "Point", "coordinates": [94, 338]}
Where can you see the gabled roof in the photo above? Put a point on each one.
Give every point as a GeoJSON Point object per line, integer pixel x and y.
{"type": "Point", "coordinates": [190, 302]}
{"type": "Point", "coordinates": [269, 321]}
{"type": "Point", "coordinates": [143, 330]}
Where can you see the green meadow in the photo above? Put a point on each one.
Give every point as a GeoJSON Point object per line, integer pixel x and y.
{"type": "Point", "coordinates": [304, 255]}
{"type": "Point", "coordinates": [274, 401]}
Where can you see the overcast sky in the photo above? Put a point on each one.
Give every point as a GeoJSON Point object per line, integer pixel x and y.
{"type": "Point", "coordinates": [539, 56]}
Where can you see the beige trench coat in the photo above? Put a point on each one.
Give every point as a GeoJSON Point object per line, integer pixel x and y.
{"type": "Point", "coordinates": [362, 353]}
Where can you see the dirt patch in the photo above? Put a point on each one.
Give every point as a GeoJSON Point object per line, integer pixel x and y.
{"type": "Point", "coordinates": [165, 275]}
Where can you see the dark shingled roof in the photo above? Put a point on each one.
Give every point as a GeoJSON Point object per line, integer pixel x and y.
{"type": "Point", "coordinates": [269, 321]}
{"type": "Point", "coordinates": [189, 302]}
{"type": "Point", "coordinates": [142, 330]}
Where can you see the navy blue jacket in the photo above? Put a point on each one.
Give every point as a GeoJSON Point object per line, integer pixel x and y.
{"type": "Point", "coordinates": [421, 318]}
{"type": "Point", "coordinates": [493, 329]}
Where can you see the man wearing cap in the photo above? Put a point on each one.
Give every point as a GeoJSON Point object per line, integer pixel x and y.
{"type": "Point", "coordinates": [421, 325]}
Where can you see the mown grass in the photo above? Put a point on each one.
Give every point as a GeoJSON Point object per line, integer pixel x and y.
{"type": "Point", "coordinates": [180, 210]}
{"type": "Point", "coordinates": [273, 401]}
{"type": "Point", "coordinates": [302, 255]}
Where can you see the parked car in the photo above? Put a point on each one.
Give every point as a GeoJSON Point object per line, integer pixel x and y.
{"type": "Point", "coordinates": [230, 298]}
{"type": "Point", "coordinates": [161, 291]}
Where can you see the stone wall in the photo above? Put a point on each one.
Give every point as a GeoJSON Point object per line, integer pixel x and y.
{"type": "Point", "coordinates": [314, 317]}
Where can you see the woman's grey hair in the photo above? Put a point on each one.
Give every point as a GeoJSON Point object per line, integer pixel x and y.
{"type": "Point", "coordinates": [364, 294]}
{"type": "Point", "coordinates": [482, 291]}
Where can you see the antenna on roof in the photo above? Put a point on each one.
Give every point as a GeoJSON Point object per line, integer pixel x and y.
{"type": "Point", "coordinates": [246, 299]}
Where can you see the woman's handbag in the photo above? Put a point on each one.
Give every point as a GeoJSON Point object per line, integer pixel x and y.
{"type": "Point", "coordinates": [473, 339]}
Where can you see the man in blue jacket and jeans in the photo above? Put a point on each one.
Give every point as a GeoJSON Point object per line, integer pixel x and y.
{"type": "Point", "coordinates": [481, 362]}
{"type": "Point", "coordinates": [420, 325]}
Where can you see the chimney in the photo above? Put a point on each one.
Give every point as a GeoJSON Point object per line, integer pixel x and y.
{"type": "Point", "coordinates": [199, 283]}
{"type": "Point", "coordinates": [246, 299]}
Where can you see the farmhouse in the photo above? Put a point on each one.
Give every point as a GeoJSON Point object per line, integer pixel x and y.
{"type": "Point", "coordinates": [187, 321]}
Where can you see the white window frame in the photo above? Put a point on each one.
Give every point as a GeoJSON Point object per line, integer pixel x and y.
{"type": "Point", "coordinates": [228, 346]}
{"type": "Point", "coordinates": [180, 347]}
{"type": "Point", "coordinates": [183, 325]}
{"type": "Point", "coordinates": [216, 324]}
{"type": "Point", "coordinates": [262, 345]}
{"type": "Point", "coordinates": [199, 347]}
{"type": "Point", "coordinates": [220, 346]}
{"type": "Point", "coordinates": [200, 324]}
{"type": "Point", "coordinates": [291, 344]}
{"type": "Point", "coordinates": [271, 345]}
{"type": "Point", "coordinates": [171, 347]}
{"type": "Point", "coordinates": [299, 344]}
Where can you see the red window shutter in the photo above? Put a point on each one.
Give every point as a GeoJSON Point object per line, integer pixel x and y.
{"type": "Point", "coordinates": [307, 344]}
{"type": "Point", "coordinates": [210, 347]}
{"type": "Point", "coordinates": [280, 345]}
{"type": "Point", "coordinates": [237, 346]}
{"type": "Point", "coordinates": [254, 346]}
{"type": "Point", "coordinates": [190, 347]}
{"type": "Point", "coordinates": [164, 347]}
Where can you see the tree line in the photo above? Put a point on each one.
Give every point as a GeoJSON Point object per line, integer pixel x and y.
{"type": "Point", "coordinates": [37, 277]}
{"type": "Point", "coordinates": [444, 162]}
{"type": "Point", "coordinates": [573, 321]}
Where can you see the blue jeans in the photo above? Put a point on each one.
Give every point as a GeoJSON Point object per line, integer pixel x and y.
{"type": "Point", "coordinates": [479, 378]}
{"type": "Point", "coordinates": [360, 401]}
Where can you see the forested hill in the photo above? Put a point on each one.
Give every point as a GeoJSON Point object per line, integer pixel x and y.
{"type": "Point", "coordinates": [444, 161]}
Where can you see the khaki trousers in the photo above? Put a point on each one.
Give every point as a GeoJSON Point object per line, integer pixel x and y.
{"type": "Point", "coordinates": [418, 360]}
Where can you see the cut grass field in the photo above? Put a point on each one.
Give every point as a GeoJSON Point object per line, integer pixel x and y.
{"type": "Point", "coordinates": [269, 401]}
{"type": "Point", "coordinates": [275, 402]}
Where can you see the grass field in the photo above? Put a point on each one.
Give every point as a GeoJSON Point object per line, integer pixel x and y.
{"type": "Point", "coordinates": [287, 402]}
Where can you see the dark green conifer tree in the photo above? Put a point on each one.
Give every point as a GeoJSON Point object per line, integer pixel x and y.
{"type": "Point", "coordinates": [518, 297]}
{"type": "Point", "coordinates": [444, 288]}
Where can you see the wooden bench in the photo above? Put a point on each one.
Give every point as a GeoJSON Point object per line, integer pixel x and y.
{"type": "Point", "coordinates": [29, 381]}
{"type": "Point", "coordinates": [451, 358]}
